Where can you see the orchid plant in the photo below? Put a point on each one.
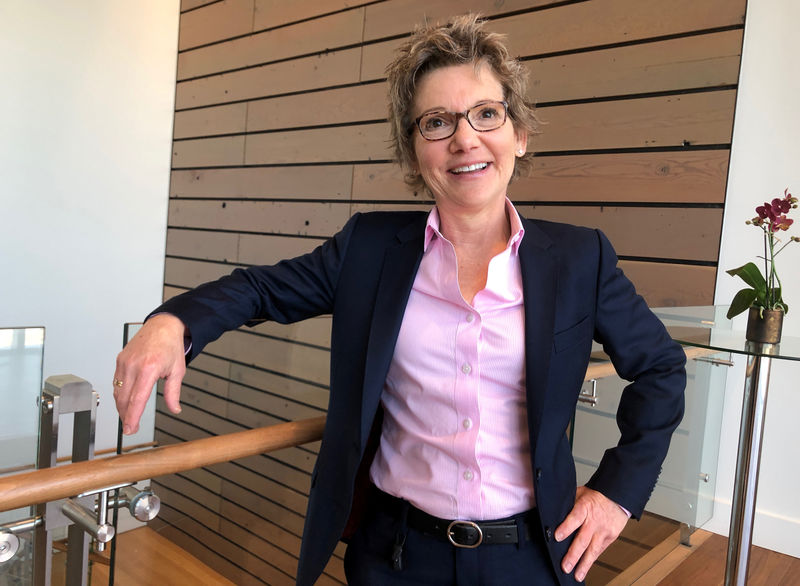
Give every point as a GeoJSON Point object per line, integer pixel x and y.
{"type": "Point", "coordinates": [764, 289]}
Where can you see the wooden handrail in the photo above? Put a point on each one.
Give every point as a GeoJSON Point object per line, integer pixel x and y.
{"type": "Point", "coordinates": [49, 484]}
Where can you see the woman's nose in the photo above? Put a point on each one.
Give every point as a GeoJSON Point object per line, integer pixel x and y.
{"type": "Point", "coordinates": [465, 137]}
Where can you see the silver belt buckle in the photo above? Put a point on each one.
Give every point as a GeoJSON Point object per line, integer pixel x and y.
{"type": "Point", "coordinates": [468, 524]}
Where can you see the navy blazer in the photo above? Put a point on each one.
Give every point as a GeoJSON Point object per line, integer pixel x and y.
{"type": "Point", "coordinates": [574, 293]}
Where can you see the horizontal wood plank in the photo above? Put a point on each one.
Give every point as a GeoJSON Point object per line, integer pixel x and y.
{"type": "Point", "coordinates": [669, 177]}
{"type": "Point", "coordinates": [684, 63]}
{"type": "Point", "coordinates": [385, 19]}
{"type": "Point", "coordinates": [219, 246]}
{"type": "Point", "coordinates": [215, 22]}
{"type": "Point", "coordinates": [315, 331]}
{"type": "Point", "coordinates": [227, 119]}
{"type": "Point", "coordinates": [191, 4]}
{"type": "Point", "coordinates": [384, 181]}
{"type": "Point", "coordinates": [311, 36]}
{"type": "Point", "coordinates": [324, 145]}
{"type": "Point", "coordinates": [316, 182]}
{"type": "Point", "coordinates": [303, 74]}
{"type": "Point", "coordinates": [257, 547]}
{"type": "Point", "coordinates": [582, 25]}
{"type": "Point", "coordinates": [281, 385]}
{"type": "Point", "coordinates": [204, 400]}
{"type": "Point", "coordinates": [191, 273]}
{"type": "Point", "coordinates": [304, 362]}
{"type": "Point", "coordinates": [671, 285]}
{"type": "Point", "coordinates": [299, 218]}
{"type": "Point", "coordinates": [272, 13]}
{"type": "Point", "coordinates": [262, 409]}
{"type": "Point", "coordinates": [207, 383]}
{"type": "Point", "coordinates": [695, 119]}
{"type": "Point", "coordinates": [255, 249]}
{"type": "Point", "coordinates": [207, 152]}
{"type": "Point", "coordinates": [245, 517]}
{"type": "Point", "coordinates": [265, 465]}
{"type": "Point", "coordinates": [375, 57]}
{"type": "Point", "coordinates": [275, 492]}
{"type": "Point", "coordinates": [215, 366]}
{"type": "Point", "coordinates": [337, 106]}
{"type": "Point", "coordinates": [204, 514]}
{"type": "Point", "coordinates": [675, 233]}
{"type": "Point", "coordinates": [251, 249]}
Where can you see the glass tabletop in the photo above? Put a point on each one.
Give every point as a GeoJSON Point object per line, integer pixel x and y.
{"type": "Point", "coordinates": [707, 327]}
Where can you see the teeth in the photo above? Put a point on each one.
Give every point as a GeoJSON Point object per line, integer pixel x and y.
{"type": "Point", "coordinates": [468, 168]}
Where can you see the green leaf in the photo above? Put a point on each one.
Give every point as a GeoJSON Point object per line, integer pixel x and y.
{"type": "Point", "coordinates": [741, 302]}
{"type": "Point", "coordinates": [750, 274]}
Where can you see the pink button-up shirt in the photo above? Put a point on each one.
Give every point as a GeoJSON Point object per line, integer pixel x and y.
{"type": "Point", "coordinates": [454, 441]}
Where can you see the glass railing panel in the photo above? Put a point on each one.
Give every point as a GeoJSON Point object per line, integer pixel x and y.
{"type": "Point", "coordinates": [21, 355]}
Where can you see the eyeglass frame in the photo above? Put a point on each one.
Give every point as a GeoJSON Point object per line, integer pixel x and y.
{"type": "Point", "coordinates": [459, 116]}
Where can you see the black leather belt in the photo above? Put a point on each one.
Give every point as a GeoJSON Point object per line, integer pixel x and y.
{"type": "Point", "coordinates": [458, 532]}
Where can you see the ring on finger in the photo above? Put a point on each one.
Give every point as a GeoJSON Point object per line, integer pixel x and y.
{"type": "Point", "coordinates": [118, 382]}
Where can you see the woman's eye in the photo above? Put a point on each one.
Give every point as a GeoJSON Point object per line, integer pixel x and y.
{"type": "Point", "coordinates": [434, 122]}
{"type": "Point", "coordinates": [488, 113]}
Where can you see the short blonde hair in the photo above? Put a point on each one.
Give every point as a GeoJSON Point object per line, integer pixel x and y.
{"type": "Point", "coordinates": [461, 41]}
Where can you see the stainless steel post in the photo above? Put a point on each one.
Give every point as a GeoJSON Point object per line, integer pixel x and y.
{"type": "Point", "coordinates": [751, 432]}
{"type": "Point", "coordinates": [64, 394]}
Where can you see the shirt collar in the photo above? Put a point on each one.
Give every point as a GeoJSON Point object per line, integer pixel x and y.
{"type": "Point", "coordinates": [517, 231]}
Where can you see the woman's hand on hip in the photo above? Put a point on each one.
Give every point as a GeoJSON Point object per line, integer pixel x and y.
{"type": "Point", "coordinates": [598, 521]}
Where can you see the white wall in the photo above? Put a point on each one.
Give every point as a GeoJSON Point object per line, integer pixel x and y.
{"type": "Point", "coordinates": [765, 159]}
{"type": "Point", "coordinates": [86, 112]}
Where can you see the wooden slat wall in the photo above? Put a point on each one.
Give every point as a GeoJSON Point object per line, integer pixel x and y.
{"type": "Point", "coordinates": [280, 135]}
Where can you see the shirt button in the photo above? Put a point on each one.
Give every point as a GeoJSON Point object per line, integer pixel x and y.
{"type": "Point", "coordinates": [470, 318]}
{"type": "Point", "coordinates": [466, 368]}
{"type": "Point", "coordinates": [467, 423]}
{"type": "Point", "coordinates": [468, 475]}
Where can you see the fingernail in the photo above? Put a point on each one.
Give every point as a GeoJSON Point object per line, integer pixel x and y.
{"type": "Point", "coordinates": [567, 568]}
{"type": "Point", "coordinates": [126, 429]}
{"type": "Point", "coordinates": [579, 577]}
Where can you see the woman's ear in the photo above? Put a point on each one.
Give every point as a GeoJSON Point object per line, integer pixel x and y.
{"type": "Point", "coordinates": [522, 143]}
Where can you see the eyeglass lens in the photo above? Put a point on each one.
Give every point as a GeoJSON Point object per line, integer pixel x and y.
{"type": "Point", "coordinates": [482, 117]}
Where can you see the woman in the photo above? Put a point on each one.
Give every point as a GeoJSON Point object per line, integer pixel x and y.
{"type": "Point", "coordinates": [461, 338]}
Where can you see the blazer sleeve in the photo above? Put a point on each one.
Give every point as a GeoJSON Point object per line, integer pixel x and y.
{"type": "Point", "coordinates": [652, 405]}
{"type": "Point", "coordinates": [289, 291]}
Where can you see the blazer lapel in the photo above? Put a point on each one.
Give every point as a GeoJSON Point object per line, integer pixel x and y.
{"type": "Point", "coordinates": [400, 265]}
{"type": "Point", "coordinates": [540, 281]}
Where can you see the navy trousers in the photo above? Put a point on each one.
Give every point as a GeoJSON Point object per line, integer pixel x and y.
{"type": "Point", "coordinates": [426, 559]}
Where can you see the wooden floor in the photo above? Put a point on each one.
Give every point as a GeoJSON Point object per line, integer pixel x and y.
{"type": "Point", "coordinates": [146, 558]}
{"type": "Point", "coordinates": [637, 540]}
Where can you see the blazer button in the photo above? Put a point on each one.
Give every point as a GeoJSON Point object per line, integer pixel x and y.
{"type": "Point", "coordinates": [548, 534]}
{"type": "Point", "coordinates": [538, 474]}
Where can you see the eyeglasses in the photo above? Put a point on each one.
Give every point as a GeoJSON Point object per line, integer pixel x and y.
{"type": "Point", "coordinates": [483, 117]}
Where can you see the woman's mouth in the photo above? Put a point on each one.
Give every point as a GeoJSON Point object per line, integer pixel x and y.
{"type": "Point", "coordinates": [469, 168]}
